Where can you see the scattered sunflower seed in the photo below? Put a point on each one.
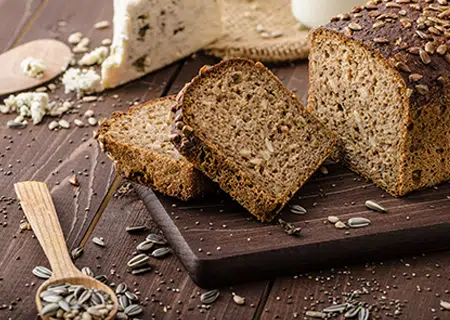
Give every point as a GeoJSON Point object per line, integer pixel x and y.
{"type": "Point", "coordinates": [156, 238]}
{"type": "Point", "coordinates": [42, 272]}
{"type": "Point", "coordinates": [98, 241]}
{"type": "Point", "coordinates": [238, 299]}
{"type": "Point", "coordinates": [145, 246]}
{"type": "Point", "coordinates": [92, 121]}
{"type": "Point", "coordinates": [123, 301]}
{"type": "Point", "coordinates": [340, 225]}
{"type": "Point", "coordinates": [76, 253]}
{"type": "Point", "coordinates": [358, 222]}
{"type": "Point", "coordinates": [372, 205]}
{"type": "Point", "coordinates": [351, 313]}
{"type": "Point", "coordinates": [89, 113]}
{"type": "Point", "coordinates": [333, 219]}
{"type": "Point", "coordinates": [161, 252]}
{"type": "Point", "coordinates": [16, 124]}
{"type": "Point", "coordinates": [297, 209]}
{"type": "Point", "coordinates": [64, 124]}
{"type": "Point", "coordinates": [133, 310]}
{"type": "Point", "coordinates": [210, 296]}
{"type": "Point", "coordinates": [139, 228]}
{"type": "Point", "coordinates": [53, 125]}
{"type": "Point", "coordinates": [289, 228]}
{"type": "Point", "coordinates": [363, 314]}
{"type": "Point", "coordinates": [141, 270]}
{"type": "Point", "coordinates": [121, 288]}
{"type": "Point", "coordinates": [324, 170]}
{"type": "Point", "coordinates": [315, 314]}
{"type": "Point", "coordinates": [79, 123]}
{"type": "Point", "coordinates": [101, 24]}
{"type": "Point", "coordinates": [87, 271]}
{"type": "Point", "coordinates": [336, 308]}
{"type": "Point", "coordinates": [138, 261]}
{"type": "Point", "coordinates": [131, 296]}
{"type": "Point", "coordinates": [445, 305]}
{"type": "Point", "coordinates": [102, 278]}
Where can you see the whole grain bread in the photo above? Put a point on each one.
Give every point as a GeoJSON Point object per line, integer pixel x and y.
{"type": "Point", "coordinates": [379, 78]}
{"type": "Point", "coordinates": [238, 124]}
{"type": "Point", "coordinates": [138, 142]}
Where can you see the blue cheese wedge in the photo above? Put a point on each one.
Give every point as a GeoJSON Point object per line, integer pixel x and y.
{"type": "Point", "coordinates": [33, 67]}
{"type": "Point", "coordinates": [82, 81]}
{"type": "Point", "coordinates": [149, 35]}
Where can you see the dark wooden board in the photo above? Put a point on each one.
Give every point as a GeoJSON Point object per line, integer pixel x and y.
{"type": "Point", "coordinates": [252, 250]}
{"type": "Point", "coordinates": [167, 274]}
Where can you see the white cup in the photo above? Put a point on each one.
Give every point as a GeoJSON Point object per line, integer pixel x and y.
{"type": "Point", "coordinates": [313, 13]}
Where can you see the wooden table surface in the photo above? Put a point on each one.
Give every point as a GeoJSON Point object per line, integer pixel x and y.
{"type": "Point", "coordinates": [104, 206]}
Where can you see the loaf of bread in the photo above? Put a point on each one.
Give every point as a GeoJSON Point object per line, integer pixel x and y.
{"type": "Point", "coordinates": [379, 78]}
{"type": "Point", "coordinates": [238, 124]}
{"type": "Point", "coordinates": [138, 142]}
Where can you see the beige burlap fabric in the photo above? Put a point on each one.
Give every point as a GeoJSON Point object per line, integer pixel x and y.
{"type": "Point", "coordinates": [262, 30]}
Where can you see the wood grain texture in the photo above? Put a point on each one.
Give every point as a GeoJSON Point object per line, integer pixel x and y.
{"type": "Point", "coordinates": [14, 15]}
{"type": "Point", "coordinates": [418, 222]}
{"type": "Point", "coordinates": [35, 153]}
{"type": "Point", "coordinates": [168, 285]}
{"type": "Point", "coordinates": [419, 283]}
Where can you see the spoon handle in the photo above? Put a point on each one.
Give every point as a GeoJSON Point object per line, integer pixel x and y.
{"type": "Point", "coordinates": [40, 211]}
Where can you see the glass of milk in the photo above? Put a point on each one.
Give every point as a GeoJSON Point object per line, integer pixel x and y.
{"type": "Point", "coordinates": [313, 13]}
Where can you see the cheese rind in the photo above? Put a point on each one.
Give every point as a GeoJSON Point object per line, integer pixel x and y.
{"type": "Point", "coordinates": [149, 35]}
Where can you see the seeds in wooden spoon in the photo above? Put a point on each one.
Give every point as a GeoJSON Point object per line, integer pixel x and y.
{"type": "Point", "coordinates": [210, 296]}
{"type": "Point", "coordinates": [88, 303]}
{"type": "Point", "coordinates": [372, 205]}
{"type": "Point", "coordinates": [358, 222]}
{"type": "Point", "coordinates": [161, 252]}
{"type": "Point", "coordinates": [42, 272]}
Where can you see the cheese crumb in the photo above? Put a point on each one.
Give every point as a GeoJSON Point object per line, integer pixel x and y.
{"type": "Point", "coordinates": [82, 81]}
{"type": "Point", "coordinates": [33, 67]}
{"type": "Point", "coordinates": [29, 104]}
{"type": "Point", "coordinates": [96, 56]}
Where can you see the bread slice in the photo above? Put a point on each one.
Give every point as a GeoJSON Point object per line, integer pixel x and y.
{"type": "Point", "coordinates": [238, 124]}
{"type": "Point", "coordinates": [137, 141]}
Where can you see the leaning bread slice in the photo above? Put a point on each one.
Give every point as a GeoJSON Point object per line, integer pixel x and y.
{"type": "Point", "coordinates": [238, 124]}
{"type": "Point", "coordinates": [138, 142]}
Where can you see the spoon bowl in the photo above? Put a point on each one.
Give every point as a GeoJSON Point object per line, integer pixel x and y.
{"type": "Point", "coordinates": [39, 209]}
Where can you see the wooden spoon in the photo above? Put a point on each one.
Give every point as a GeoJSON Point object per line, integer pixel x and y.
{"type": "Point", "coordinates": [55, 55]}
{"type": "Point", "coordinates": [39, 209]}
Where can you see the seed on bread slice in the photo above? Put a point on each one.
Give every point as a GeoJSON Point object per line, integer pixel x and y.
{"type": "Point", "coordinates": [239, 124]}
{"type": "Point", "coordinates": [138, 142]}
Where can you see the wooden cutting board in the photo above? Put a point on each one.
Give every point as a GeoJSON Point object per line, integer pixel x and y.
{"type": "Point", "coordinates": [219, 243]}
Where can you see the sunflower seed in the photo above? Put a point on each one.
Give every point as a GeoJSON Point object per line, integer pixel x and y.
{"type": "Point", "coordinates": [98, 241]}
{"type": "Point", "coordinates": [102, 278]}
{"type": "Point", "coordinates": [97, 299]}
{"type": "Point", "coordinates": [141, 270]}
{"type": "Point", "coordinates": [145, 246]}
{"type": "Point", "coordinates": [64, 305]}
{"type": "Point", "coordinates": [130, 295]}
{"type": "Point", "coordinates": [333, 219]}
{"type": "Point", "coordinates": [289, 228]}
{"type": "Point", "coordinates": [87, 271]}
{"type": "Point", "coordinates": [53, 125]}
{"type": "Point", "coordinates": [92, 121]}
{"type": "Point", "coordinates": [42, 272]}
{"type": "Point", "coordinates": [161, 252]}
{"type": "Point", "coordinates": [358, 222]}
{"type": "Point", "coordinates": [297, 209]}
{"type": "Point", "coordinates": [156, 238]}
{"type": "Point", "coordinates": [315, 314]}
{"type": "Point", "coordinates": [210, 296]}
{"type": "Point", "coordinates": [354, 26]}
{"type": "Point", "coordinates": [363, 314]}
{"type": "Point", "coordinates": [133, 310]}
{"type": "Point", "coordinates": [238, 299]}
{"type": "Point", "coordinates": [132, 229]}
{"type": "Point", "coordinates": [340, 225]}
{"type": "Point", "coordinates": [121, 288]}
{"type": "Point", "coordinates": [76, 253]}
{"type": "Point", "coordinates": [445, 305]}
{"type": "Point", "coordinates": [138, 261]}
{"type": "Point", "coordinates": [49, 309]}
{"type": "Point", "coordinates": [64, 124]}
{"type": "Point", "coordinates": [121, 316]}
{"type": "Point", "coordinates": [85, 296]}
{"type": "Point", "coordinates": [375, 206]}
{"type": "Point", "coordinates": [52, 298]}
{"type": "Point", "coordinates": [16, 124]}
{"type": "Point", "coordinates": [351, 313]}
{"type": "Point", "coordinates": [123, 301]}
{"type": "Point", "coordinates": [336, 308]}
{"type": "Point", "coordinates": [74, 181]}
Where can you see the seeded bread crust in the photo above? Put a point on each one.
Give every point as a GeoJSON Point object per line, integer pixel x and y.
{"type": "Point", "coordinates": [173, 177]}
{"type": "Point", "coordinates": [210, 160]}
{"type": "Point", "coordinates": [409, 38]}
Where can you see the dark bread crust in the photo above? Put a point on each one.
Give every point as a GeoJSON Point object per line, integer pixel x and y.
{"type": "Point", "coordinates": [400, 39]}
{"type": "Point", "coordinates": [209, 159]}
{"type": "Point", "coordinates": [173, 177]}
